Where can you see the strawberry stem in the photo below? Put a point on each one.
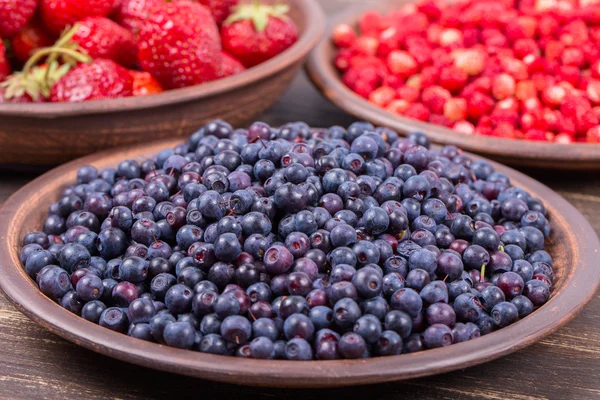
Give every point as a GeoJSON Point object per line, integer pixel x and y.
{"type": "Point", "coordinates": [52, 50]}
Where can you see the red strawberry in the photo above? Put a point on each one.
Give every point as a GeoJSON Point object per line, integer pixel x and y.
{"type": "Point", "coordinates": [230, 66]}
{"type": "Point", "coordinates": [102, 79]}
{"type": "Point", "coordinates": [132, 13]}
{"type": "Point", "coordinates": [25, 98]}
{"type": "Point", "coordinates": [29, 39]}
{"type": "Point", "coordinates": [4, 66]}
{"type": "Point", "coordinates": [179, 45]}
{"type": "Point", "coordinates": [144, 84]}
{"type": "Point", "coordinates": [102, 38]}
{"type": "Point", "coordinates": [14, 15]}
{"type": "Point", "coordinates": [58, 14]}
{"type": "Point", "coordinates": [255, 33]}
{"type": "Point", "coordinates": [33, 83]}
{"type": "Point", "coordinates": [220, 9]}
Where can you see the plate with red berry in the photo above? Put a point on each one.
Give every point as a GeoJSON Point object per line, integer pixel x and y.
{"type": "Point", "coordinates": [80, 76]}
{"type": "Point", "coordinates": [516, 81]}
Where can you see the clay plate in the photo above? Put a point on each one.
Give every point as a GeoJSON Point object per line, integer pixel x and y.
{"type": "Point", "coordinates": [49, 134]}
{"type": "Point", "coordinates": [573, 244]}
{"type": "Point", "coordinates": [324, 75]}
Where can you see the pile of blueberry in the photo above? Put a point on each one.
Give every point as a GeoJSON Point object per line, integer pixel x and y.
{"type": "Point", "coordinates": [291, 244]}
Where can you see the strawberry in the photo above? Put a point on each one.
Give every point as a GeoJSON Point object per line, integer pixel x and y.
{"type": "Point", "coordinates": [33, 83]}
{"type": "Point", "coordinates": [32, 37]}
{"type": "Point", "coordinates": [58, 14]}
{"type": "Point", "coordinates": [14, 15]}
{"type": "Point", "coordinates": [230, 66]}
{"type": "Point", "coordinates": [144, 84]}
{"type": "Point", "coordinates": [179, 45]}
{"type": "Point", "coordinates": [132, 13]}
{"type": "Point", "coordinates": [4, 66]}
{"type": "Point", "coordinates": [102, 79]}
{"type": "Point", "coordinates": [255, 33]}
{"type": "Point", "coordinates": [102, 38]}
{"type": "Point", "coordinates": [25, 98]}
{"type": "Point", "coordinates": [220, 9]}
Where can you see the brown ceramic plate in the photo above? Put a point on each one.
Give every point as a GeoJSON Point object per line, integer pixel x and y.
{"type": "Point", "coordinates": [514, 152]}
{"type": "Point", "coordinates": [573, 245]}
{"type": "Point", "coordinates": [50, 134]}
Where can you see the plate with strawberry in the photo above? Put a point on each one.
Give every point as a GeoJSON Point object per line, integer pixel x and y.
{"type": "Point", "coordinates": [77, 76]}
{"type": "Point", "coordinates": [516, 81]}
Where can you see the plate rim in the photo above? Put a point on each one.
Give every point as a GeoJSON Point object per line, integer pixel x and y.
{"type": "Point", "coordinates": [325, 78]}
{"type": "Point", "coordinates": [563, 306]}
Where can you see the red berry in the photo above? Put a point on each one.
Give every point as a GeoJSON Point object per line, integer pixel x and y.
{"type": "Point", "coordinates": [29, 39]}
{"type": "Point", "coordinates": [370, 23]}
{"type": "Point", "coordinates": [132, 13]}
{"type": "Point", "coordinates": [58, 14]}
{"type": "Point", "coordinates": [343, 35]}
{"type": "Point", "coordinates": [572, 56]}
{"type": "Point", "coordinates": [525, 90]}
{"type": "Point", "coordinates": [554, 95]}
{"type": "Point", "coordinates": [220, 9]}
{"type": "Point", "coordinates": [479, 105]}
{"type": "Point", "coordinates": [398, 106]}
{"type": "Point", "coordinates": [525, 47]}
{"type": "Point", "coordinates": [503, 86]}
{"type": "Point", "coordinates": [4, 65]}
{"type": "Point", "coordinates": [342, 59]}
{"type": "Point", "coordinates": [14, 15]}
{"type": "Point", "coordinates": [464, 127]}
{"type": "Point", "coordinates": [417, 111]}
{"type": "Point", "coordinates": [453, 79]}
{"type": "Point", "coordinates": [470, 61]}
{"type": "Point", "coordinates": [535, 134]}
{"type": "Point", "coordinates": [563, 138]}
{"type": "Point", "coordinates": [102, 38]}
{"type": "Point", "coordinates": [455, 109]}
{"type": "Point", "coordinates": [440, 120]}
{"type": "Point", "coordinates": [593, 91]}
{"type": "Point", "coordinates": [434, 97]}
{"type": "Point", "coordinates": [402, 63]}
{"type": "Point", "coordinates": [102, 79]}
{"type": "Point", "coordinates": [366, 45]}
{"type": "Point", "coordinates": [230, 66]}
{"type": "Point", "coordinates": [408, 93]}
{"type": "Point", "coordinates": [593, 135]}
{"type": "Point", "coordinates": [388, 41]}
{"type": "Point", "coordinates": [382, 96]}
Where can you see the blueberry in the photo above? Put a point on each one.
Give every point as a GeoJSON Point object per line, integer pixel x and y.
{"type": "Point", "coordinates": [141, 311]}
{"type": "Point", "coordinates": [92, 311]}
{"type": "Point", "coordinates": [298, 349]}
{"type": "Point", "coordinates": [54, 282]}
{"type": "Point", "coordinates": [351, 345]}
{"type": "Point", "coordinates": [523, 304]}
{"type": "Point", "coordinates": [90, 288]}
{"type": "Point", "coordinates": [40, 258]}
{"type": "Point", "coordinates": [236, 329]}
{"type": "Point", "coordinates": [437, 335]}
{"type": "Point", "coordinates": [115, 319]}
{"type": "Point", "coordinates": [388, 344]}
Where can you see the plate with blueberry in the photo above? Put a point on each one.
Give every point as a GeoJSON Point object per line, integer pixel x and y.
{"type": "Point", "coordinates": [296, 257]}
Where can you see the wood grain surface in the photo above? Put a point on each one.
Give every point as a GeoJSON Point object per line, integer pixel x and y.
{"type": "Point", "coordinates": [36, 364]}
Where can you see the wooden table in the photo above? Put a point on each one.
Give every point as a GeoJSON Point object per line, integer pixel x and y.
{"type": "Point", "coordinates": [37, 364]}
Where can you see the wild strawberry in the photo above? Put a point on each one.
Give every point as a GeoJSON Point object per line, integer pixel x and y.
{"type": "Point", "coordinates": [442, 120]}
{"type": "Point", "coordinates": [572, 56]}
{"type": "Point", "coordinates": [569, 74]}
{"type": "Point", "coordinates": [132, 13]}
{"type": "Point", "coordinates": [548, 25]}
{"type": "Point", "coordinates": [470, 61]}
{"type": "Point", "coordinates": [430, 8]}
{"type": "Point", "coordinates": [391, 80]}
{"type": "Point", "coordinates": [144, 84]}
{"type": "Point", "coordinates": [525, 90]}
{"type": "Point", "coordinates": [479, 105]}
{"type": "Point", "coordinates": [593, 91]}
{"type": "Point", "coordinates": [368, 75]}
{"type": "Point", "coordinates": [455, 109]}
{"type": "Point", "coordinates": [429, 76]}
{"type": "Point", "coordinates": [220, 9]}
{"type": "Point", "coordinates": [535, 134]}
{"type": "Point", "coordinates": [493, 38]}
{"type": "Point", "coordinates": [451, 38]}
{"type": "Point", "coordinates": [531, 121]}
{"type": "Point", "coordinates": [343, 58]}
{"type": "Point", "coordinates": [563, 138]}
{"type": "Point", "coordinates": [552, 119]}
{"type": "Point", "coordinates": [464, 127]}
{"type": "Point", "coordinates": [421, 53]}
{"type": "Point", "coordinates": [102, 79]}
{"type": "Point", "coordinates": [179, 45]}
{"type": "Point", "coordinates": [508, 104]}
{"type": "Point", "coordinates": [532, 105]}
{"type": "Point", "coordinates": [4, 65]}
{"type": "Point", "coordinates": [434, 97]}
{"type": "Point", "coordinates": [254, 34]}
{"type": "Point", "coordinates": [453, 79]}
{"type": "Point", "coordinates": [574, 33]}
{"type": "Point", "coordinates": [388, 41]}
{"type": "Point", "coordinates": [417, 111]}
{"type": "Point", "coordinates": [30, 38]}
{"type": "Point", "coordinates": [366, 45]}
{"type": "Point", "coordinates": [553, 50]}
{"type": "Point", "coordinates": [433, 33]}
{"type": "Point", "coordinates": [591, 53]}
{"type": "Point", "coordinates": [398, 106]}
{"type": "Point", "coordinates": [382, 96]}
{"type": "Point", "coordinates": [58, 14]}
{"type": "Point", "coordinates": [343, 35]}
{"type": "Point", "coordinates": [441, 58]}
{"type": "Point", "coordinates": [543, 81]}
{"type": "Point", "coordinates": [408, 93]}
{"type": "Point", "coordinates": [402, 63]}
{"type": "Point", "coordinates": [505, 130]}
{"type": "Point", "coordinates": [593, 135]}
{"type": "Point", "coordinates": [525, 47]}
{"type": "Point", "coordinates": [471, 36]}
{"type": "Point", "coordinates": [14, 15]}
{"type": "Point", "coordinates": [554, 95]}
{"type": "Point", "coordinates": [585, 121]}
{"type": "Point", "coordinates": [230, 66]}
{"type": "Point", "coordinates": [370, 23]}
{"type": "Point", "coordinates": [102, 38]}
{"type": "Point", "coordinates": [415, 81]}
{"type": "Point", "coordinates": [503, 86]}
{"type": "Point", "coordinates": [364, 88]}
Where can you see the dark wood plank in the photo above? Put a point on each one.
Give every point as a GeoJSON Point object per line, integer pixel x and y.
{"type": "Point", "coordinates": [566, 365]}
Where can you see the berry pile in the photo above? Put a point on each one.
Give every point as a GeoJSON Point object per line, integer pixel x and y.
{"type": "Point", "coordinates": [110, 49]}
{"type": "Point", "coordinates": [287, 244]}
{"type": "Point", "coordinates": [515, 69]}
